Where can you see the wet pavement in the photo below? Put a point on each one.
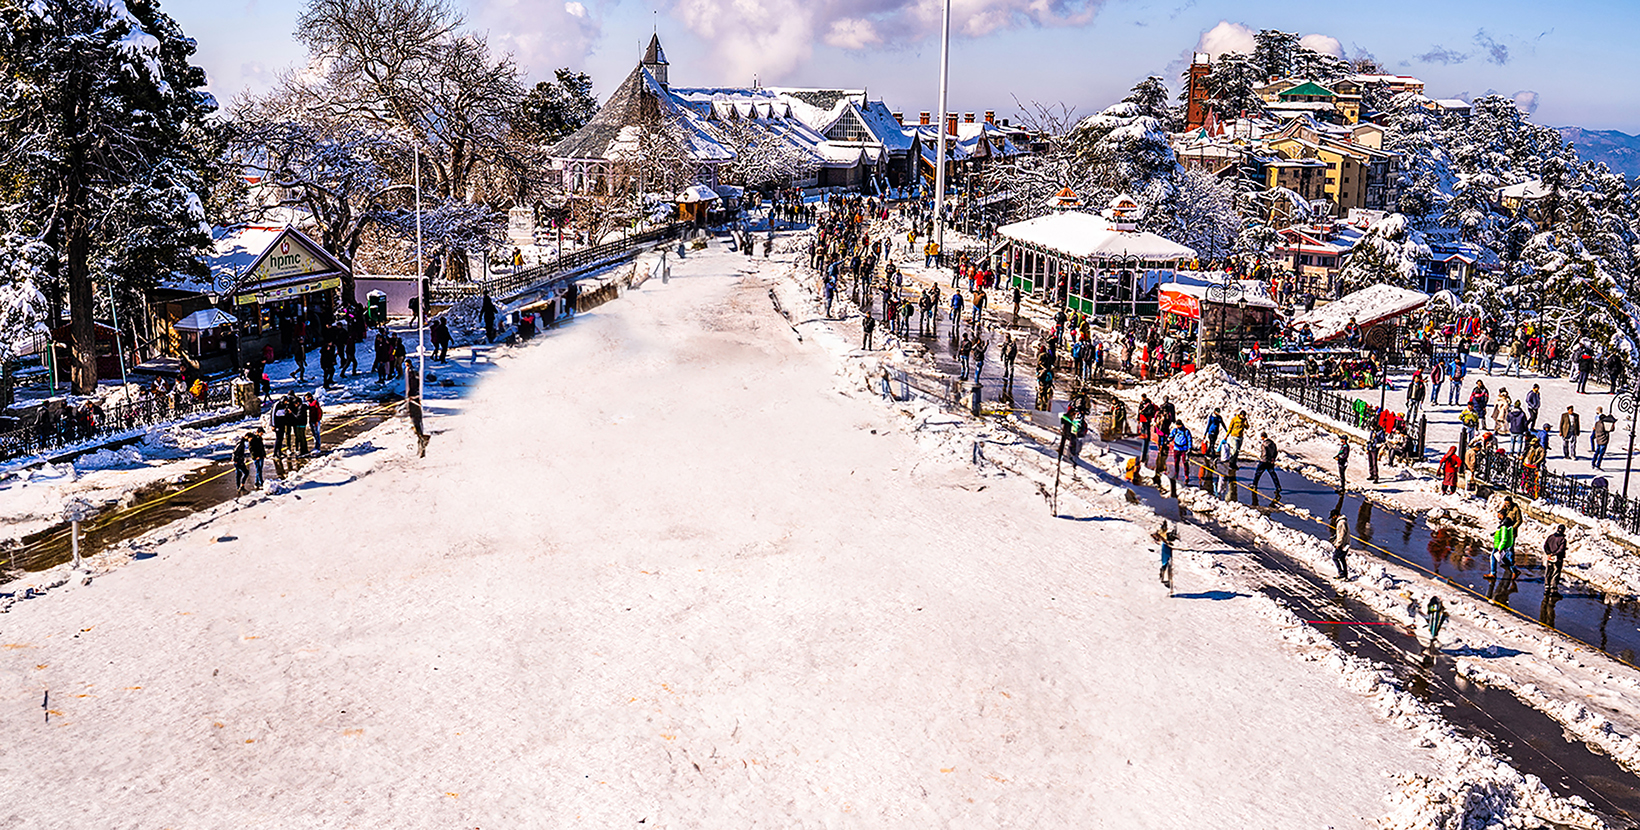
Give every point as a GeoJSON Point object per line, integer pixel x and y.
{"type": "Point", "coordinates": [160, 504]}
{"type": "Point", "coordinates": [1451, 552]}
{"type": "Point", "coordinates": [1532, 741]}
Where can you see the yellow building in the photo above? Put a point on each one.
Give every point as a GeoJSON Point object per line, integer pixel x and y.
{"type": "Point", "coordinates": [1344, 182]}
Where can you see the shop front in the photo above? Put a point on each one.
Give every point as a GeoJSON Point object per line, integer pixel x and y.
{"type": "Point", "coordinates": [289, 291]}
{"type": "Point", "coordinates": [1206, 322]}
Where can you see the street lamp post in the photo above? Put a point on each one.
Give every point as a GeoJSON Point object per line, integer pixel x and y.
{"type": "Point", "coordinates": [1629, 402]}
{"type": "Point", "coordinates": [939, 124]}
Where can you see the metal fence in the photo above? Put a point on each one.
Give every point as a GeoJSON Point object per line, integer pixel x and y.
{"type": "Point", "coordinates": [506, 285]}
{"type": "Point", "coordinates": [1593, 498]}
{"type": "Point", "coordinates": [1304, 390]}
{"type": "Point", "coordinates": [56, 432]}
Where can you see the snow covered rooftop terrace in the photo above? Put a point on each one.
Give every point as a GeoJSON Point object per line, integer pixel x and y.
{"type": "Point", "coordinates": [1368, 306]}
{"type": "Point", "coordinates": [1086, 236]}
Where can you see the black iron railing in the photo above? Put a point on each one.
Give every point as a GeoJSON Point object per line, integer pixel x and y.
{"type": "Point", "coordinates": [507, 285]}
{"type": "Point", "coordinates": [72, 427]}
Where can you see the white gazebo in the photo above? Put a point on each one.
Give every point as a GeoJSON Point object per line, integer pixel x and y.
{"type": "Point", "coordinates": [1090, 263]}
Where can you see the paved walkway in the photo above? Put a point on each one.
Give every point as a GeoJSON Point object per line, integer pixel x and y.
{"type": "Point", "coordinates": [1557, 392]}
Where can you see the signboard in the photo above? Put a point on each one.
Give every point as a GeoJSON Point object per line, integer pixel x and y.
{"type": "Point", "coordinates": [289, 258]}
{"type": "Point", "coordinates": [274, 295]}
{"type": "Point", "coordinates": [1183, 305]}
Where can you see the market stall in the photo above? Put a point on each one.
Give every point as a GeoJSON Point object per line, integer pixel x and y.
{"type": "Point", "coordinates": [280, 283]}
{"type": "Point", "coordinates": [1201, 322]}
{"type": "Point", "coordinates": [1363, 319]}
{"type": "Point", "coordinates": [1095, 264]}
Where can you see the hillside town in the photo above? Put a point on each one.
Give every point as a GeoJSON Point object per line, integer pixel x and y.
{"type": "Point", "coordinates": [420, 442]}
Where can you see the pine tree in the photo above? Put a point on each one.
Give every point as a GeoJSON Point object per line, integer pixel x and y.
{"type": "Point", "coordinates": [1388, 253]}
{"type": "Point", "coordinates": [104, 119]}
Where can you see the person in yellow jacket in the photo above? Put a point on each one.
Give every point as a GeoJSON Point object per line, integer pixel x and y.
{"type": "Point", "coordinates": [931, 253]}
{"type": "Point", "coordinates": [1238, 426]}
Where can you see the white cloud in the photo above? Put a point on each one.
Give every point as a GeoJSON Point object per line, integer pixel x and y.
{"type": "Point", "coordinates": [1324, 44]}
{"type": "Point", "coordinates": [852, 34]}
{"type": "Point", "coordinates": [1226, 37]}
{"type": "Point", "coordinates": [770, 38]}
{"type": "Point", "coordinates": [542, 37]}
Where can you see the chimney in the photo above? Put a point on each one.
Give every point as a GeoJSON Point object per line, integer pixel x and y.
{"type": "Point", "coordinates": [950, 123]}
{"type": "Point", "coordinates": [922, 117]}
{"type": "Point", "coordinates": [990, 117]}
{"type": "Point", "coordinates": [899, 118]}
{"type": "Point", "coordinates": [1004, 122]}
{"type": "Point", "coordinates": [967, 118]}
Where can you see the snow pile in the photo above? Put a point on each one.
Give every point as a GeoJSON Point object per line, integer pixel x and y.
{"type": "Point", "coordinates": [176, 441]}
{"type": "Point", "coordinates": [111, 458]}
{"type": "Point", "coordinates": [1197, 394]}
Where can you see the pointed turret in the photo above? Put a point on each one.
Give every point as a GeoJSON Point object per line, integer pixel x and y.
{"type": "Point", "coordinates": [654, 59]}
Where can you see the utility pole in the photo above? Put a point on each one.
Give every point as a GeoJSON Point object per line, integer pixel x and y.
{"type": "Point", "coordinates": [939, 122]}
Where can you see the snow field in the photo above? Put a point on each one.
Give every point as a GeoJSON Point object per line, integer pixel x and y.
{"type": "Point", "coordinates": [1475, 785]}
{"type": "Point", "coordinates": [659, 569]}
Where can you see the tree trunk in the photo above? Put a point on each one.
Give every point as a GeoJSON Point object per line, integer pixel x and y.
{"type": "Point", "coordinates": [81, 308]}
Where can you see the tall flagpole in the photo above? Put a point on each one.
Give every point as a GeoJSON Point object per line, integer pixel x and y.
{"type": "Point", "coordinates": [940, 121]}
{"type": "Point", "coordinates": [421, 296]}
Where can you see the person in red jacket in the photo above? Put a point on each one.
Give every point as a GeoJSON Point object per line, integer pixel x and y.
{"type": "Point", "coordinates": [314, 414]}
{"type": "Point", "coordinates": [1449, 471]}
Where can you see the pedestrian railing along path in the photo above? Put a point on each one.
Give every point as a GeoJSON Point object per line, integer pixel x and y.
{"type": "Point", "coordinates": [55, 432]}
{"type": "Point", "coordinates": [445, 291]}
{"type": "Point", "coordinates": [1496, 469]}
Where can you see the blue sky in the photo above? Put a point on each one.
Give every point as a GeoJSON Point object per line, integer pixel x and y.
{"type": "Point", "coordinates": [1567, 59]}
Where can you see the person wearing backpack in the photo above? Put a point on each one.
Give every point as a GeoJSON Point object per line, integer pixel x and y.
{"type": "Point", "coordinates": [1181, 440]}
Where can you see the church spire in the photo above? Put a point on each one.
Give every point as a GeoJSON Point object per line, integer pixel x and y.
{"type": "Point", "coordinates": [654, 59]}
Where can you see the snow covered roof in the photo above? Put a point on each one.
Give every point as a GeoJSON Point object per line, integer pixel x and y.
{"type": "Point", "coordinates": [1529, 189]}
{"type": "Point", "coordinates": [205, 320]}
{"type": "Point", "coordinates": [1086, 236]}
{"type": "Point", "coordinates": [697, 193]}
{"type": "Point", "coordinates": [613, 131]}
{"type": "Point", "coordinates": [1370, 305]}
{"type": "Point", "coordinates": [894, 137]}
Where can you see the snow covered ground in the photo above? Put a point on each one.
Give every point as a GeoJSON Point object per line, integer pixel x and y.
{"type": "Point", "coordinates": [670, 564]}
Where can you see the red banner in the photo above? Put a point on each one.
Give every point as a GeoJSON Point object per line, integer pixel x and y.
{"type": "Point", "coordinates": [1183, 305]}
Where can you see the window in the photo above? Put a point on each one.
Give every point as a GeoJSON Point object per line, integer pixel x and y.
{"type": "Point", "coordinates": [1331, 181]}
{"type": "Point", "coordinates": [1346, 180]}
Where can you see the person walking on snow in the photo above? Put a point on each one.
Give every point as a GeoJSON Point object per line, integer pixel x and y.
{"type": "Point", "coordinates": [1534, 402]}
{"type": "Point", "coordinates": [242, 461]}
{"type": "Point", "coordinates": [259, 453]}
{"type": "Point", "coordinates": [867, 325]}
{"type": "Point", "coordinates": [1600, 435]}
{"type": "Point", "coordinates": [1554, 558]}
{"type": "Point", "coordinates": [1341, 544]}
{"type": "Point", "coordinates": [1455, 372]}
{"type": "Point", "coordinates": [1238, 428]}
{"type": "Point", "coordinates": [1267, 464]}
{"type": "Point", "coordinates": [1165, 537]}
{"type": "Point", "coordinates": [1375, 443]}
{"type": "Point", "coordinates": [1570, 428]}
{"type": "Point", "coordinates": [1449, 471]}
{"type": "Point", "coordinates": [314, 413]}
{"type": "Point", "coordinates": [1181, 452]}
{"type": "Point", "coordinates": [1503, 539]}
{"type": "Point", "coordinates": [1343, 459]}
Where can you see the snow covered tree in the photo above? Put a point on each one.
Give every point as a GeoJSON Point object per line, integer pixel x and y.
{"type": "Point", "coordinates": [406, 69]}
{"type": "Point", "coordinates": [23, 262]}
{"type": "Point", "coordinates": [763, 157]}
{"type": "Point", "coordinates": [102, 121]}
{"type": "Point", "coordinates": [1469, 211]}
{"type": "Point", "coordinates": [1257, 242]}
{"type": "Point", "coordinates": [1388, 252]}
{"type": "Point", "coordinates": [1126, 145]}
{"type": "Point", "coordinates": [1033, 178]}
{"type": "Point", "coordinates": [1196, 209]}
{"type": "Point", "coordinates": [1230, 85]}
{"type": "Point", "coordinates": [1424, 180]}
